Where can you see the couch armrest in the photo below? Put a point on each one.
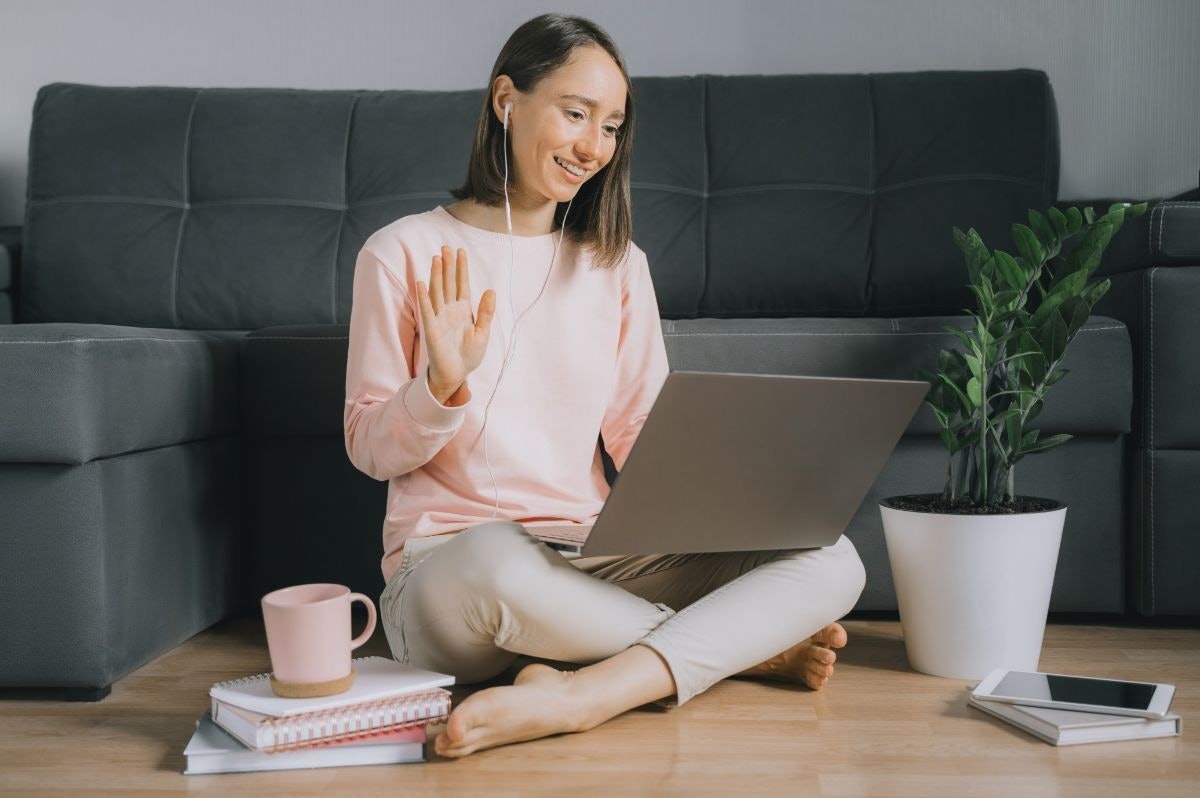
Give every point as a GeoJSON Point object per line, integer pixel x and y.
{"type": "Point", "coordinates": [1168, 234]}
{"type": "Point", "coordinates": [1157, 305]}
{"type": "Point", "coordinates": [10, 272]}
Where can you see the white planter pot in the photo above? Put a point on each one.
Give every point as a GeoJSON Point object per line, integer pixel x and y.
{"type": "Point", "coordinates": [973, 590]}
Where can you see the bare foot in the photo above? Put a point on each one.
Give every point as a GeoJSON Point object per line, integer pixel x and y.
{"type": "Point", "coordinates": [537, 704]}
{"type": "Point", "coordinates": [810, 661]}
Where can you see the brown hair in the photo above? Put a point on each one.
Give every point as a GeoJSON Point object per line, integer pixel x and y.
{"type": "Point", "coordinates": [603, 219]}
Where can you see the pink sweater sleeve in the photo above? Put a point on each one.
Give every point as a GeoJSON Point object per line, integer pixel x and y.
{"type": "Point", "coordinates": [641, 361]}
{"type": "Point", "coordinates": [392, 423]}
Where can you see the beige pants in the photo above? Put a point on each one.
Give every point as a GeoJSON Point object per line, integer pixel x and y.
{"type": "Point", "coordinates": [469, 603]}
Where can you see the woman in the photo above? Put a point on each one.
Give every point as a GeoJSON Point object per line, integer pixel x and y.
{"type": "Point", "coordinates": [469, 588]}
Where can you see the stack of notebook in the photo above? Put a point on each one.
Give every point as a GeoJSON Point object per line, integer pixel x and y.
{"type": "Point", "coordinates": [382, 719]}
{"type": "Point", "coordinates": [1073, 727]}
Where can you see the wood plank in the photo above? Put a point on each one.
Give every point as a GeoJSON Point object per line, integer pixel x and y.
{"type": "Point", "coordinates": [878, 728]}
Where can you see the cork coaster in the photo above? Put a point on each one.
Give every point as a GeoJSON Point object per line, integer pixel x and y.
{"type": "Point", "coordinates": [312, 689]}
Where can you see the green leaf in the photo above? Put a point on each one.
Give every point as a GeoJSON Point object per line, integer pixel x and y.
{"type": "Point", "coordinates": [1089, 215]}
{"type": "Point", "coordinates": [1067, 287]}
{"type": "Point", "coordinates": [1005, 298]}
{"type": "Point", "coordinates": [1074, 221]}
{"type": "Point", "coordinates": [976, 254]}
{"type": "Point", "coordinates": [1010, 272]}
{"type": "Point", "coordinates": [1059, 221]}
{"type": "Point", "coordinates": [968, 407]}
{"type": "Point", "coordinates": [949, 440]}
{"type": "Point", "coordinates": [1043, 229]}
{"type": "Point", "coordinates": [1028, 246]}
{"type": "Point", "coordinates": [1052, 336]}
{"type": "Point", "coordinates": [1093, 293]}
{"type": "Point", "coordinates": [1047, 443]}
{"type": "Point", "coordinates": [975, 365]}
{"type": "Point", "coordinates": [975, 392]}
{"type": "Point", "coordinates": [960, 239]}
{"type": "Point", "coordinates": [1035, 410]}
{"type": "Point", "coordinates": [966, 339]}
{"type": "Point", "coordinates": [1075, 311]}
{"type": "Point", "coordinates": [1013, 429]}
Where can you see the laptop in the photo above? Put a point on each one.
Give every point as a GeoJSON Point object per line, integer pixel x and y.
{"type": "Point", "coordinates": [747, 462]}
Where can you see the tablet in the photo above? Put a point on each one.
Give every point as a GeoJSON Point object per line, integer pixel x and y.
{"type": "Point", "coordinates": [1086, 693]}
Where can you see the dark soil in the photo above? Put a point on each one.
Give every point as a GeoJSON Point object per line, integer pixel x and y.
{"type": "Point", "coordinates": [934, 503]}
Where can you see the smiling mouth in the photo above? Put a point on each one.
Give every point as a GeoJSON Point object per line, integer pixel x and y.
{"type": "Point", "coordinates": [569, 168]}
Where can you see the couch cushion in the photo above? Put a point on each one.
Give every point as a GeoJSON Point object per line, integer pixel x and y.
{"type": "Point", "coordinates": [77, 392]}
{"type": "Point", "coordinates": [178, 207]}
{"type": "Point", "coordinates": [308, 365]}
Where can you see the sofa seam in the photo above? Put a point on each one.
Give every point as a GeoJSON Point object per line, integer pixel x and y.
{"type": "Point", "coordinates": [1150, 229]}
{"type": "Point", "coordinates": [888, 333]}
{"type": "Point", "coordinates": [337, 244]}
{"type": "Point", "coordinates": [187, 144]}
{"type": "Point", "coordinates": [250, 340]}
{"type": "Point", "coordinates": [705, 178]}
{"type": "Point", "coordinates": [1162, 225]}
{"type": "Point", "coordinates": [872, 180]}
{"type": "Point", "coordinates": [115, 340]}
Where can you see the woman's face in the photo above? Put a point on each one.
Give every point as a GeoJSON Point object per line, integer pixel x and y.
{"type": "Point", "coordinates": [572, 116]}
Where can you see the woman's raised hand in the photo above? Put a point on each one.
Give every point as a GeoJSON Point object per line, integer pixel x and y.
{"type": "Point", "coordinates": [454, 338]}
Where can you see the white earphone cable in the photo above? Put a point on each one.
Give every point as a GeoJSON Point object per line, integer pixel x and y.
{"type": "Point", "coordinates": [510, 349]}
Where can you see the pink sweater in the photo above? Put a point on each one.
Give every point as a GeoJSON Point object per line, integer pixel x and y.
{"type": "Point", "coordinates": [589, 362]}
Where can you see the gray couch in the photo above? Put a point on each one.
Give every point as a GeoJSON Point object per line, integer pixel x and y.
{"type": "Point", "coordinates": [172, 382]}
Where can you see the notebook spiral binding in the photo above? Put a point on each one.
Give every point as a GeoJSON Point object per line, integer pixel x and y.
{"type": "Point", "coordinates": [360, 720]}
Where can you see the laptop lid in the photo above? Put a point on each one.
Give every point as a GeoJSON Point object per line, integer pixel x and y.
{"type": "Point", "coordinates": [744, 462]}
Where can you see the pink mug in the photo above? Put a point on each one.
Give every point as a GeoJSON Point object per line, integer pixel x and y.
{"type": "Point", "coordinates": [308, 635]}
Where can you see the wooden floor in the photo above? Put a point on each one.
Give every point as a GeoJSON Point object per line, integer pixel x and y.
{"type": "Point", "coordinates": [878, 729]}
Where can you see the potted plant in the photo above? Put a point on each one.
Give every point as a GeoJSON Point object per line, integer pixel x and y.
{"type": "Point", "coordinates": [973, 566]}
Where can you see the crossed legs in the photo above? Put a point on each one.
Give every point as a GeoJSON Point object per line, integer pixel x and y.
{"type": "Point", "coordinates": [478, 601]}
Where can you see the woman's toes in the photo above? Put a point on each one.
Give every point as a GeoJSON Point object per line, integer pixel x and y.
{"type": "Point", "coordinates": [819, 669]}
{"type": "Point", "coordinates": [834, 636]}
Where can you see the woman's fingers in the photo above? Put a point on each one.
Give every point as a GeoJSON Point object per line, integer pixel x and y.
{"type": "Point", "coordinates": [423, 302]}
{"type": "Point", "coordinates": [435, 284]}
{"type": "Point", "coordinates": [448, 282]}
{"type": "Point", "coordinates": [487, 309]}
{"type": "Point", "coordinates": [464, 276]}
{"type": "Point", "coordinates": [449, 275]}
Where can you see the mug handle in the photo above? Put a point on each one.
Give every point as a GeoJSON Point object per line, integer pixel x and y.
{"type": "Point", "coordinates": [366, 635]}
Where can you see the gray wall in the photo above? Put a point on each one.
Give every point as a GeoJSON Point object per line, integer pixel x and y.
{"type": "Point", "coordinates": [1126, 73]}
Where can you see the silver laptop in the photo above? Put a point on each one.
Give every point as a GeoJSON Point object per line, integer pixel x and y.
{"type": "Point", "coordinates": [745, 462]}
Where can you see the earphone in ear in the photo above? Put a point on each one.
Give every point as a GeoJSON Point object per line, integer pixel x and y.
{"type": "Point", "coordinates": [507, 108]}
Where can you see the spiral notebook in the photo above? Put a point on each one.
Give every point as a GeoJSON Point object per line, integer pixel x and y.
{"type": "Point", "coordinates": [212, 750]}
{"type": "Point", "coordinates": [269, 733]}
{"type": "Point", "coordinates": [375, 679]}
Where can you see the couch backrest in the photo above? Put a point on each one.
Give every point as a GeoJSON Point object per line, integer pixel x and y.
{"type": "Point", "coordinates": [776, 195]}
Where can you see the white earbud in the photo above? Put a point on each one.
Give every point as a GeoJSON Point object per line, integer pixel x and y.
{"type": "Point", "coordinates": [507, 108]}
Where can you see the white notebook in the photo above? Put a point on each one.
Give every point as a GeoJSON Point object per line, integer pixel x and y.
{"type": "Point", "coordinates": [375, 678]}
{"type": "Point", "coordinates": [212, 750]}
{"type": "Point", "coordinates": [1071, 727]}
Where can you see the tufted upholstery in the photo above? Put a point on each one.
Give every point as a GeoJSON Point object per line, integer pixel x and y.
{"type": "Point", "coordinates": [244, 208]}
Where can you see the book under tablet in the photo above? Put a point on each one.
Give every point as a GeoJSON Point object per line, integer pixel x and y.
{"type": "Point", "coordinates": [1072, 727]}
{"type": "Point", "coordinates": [747, 462]}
